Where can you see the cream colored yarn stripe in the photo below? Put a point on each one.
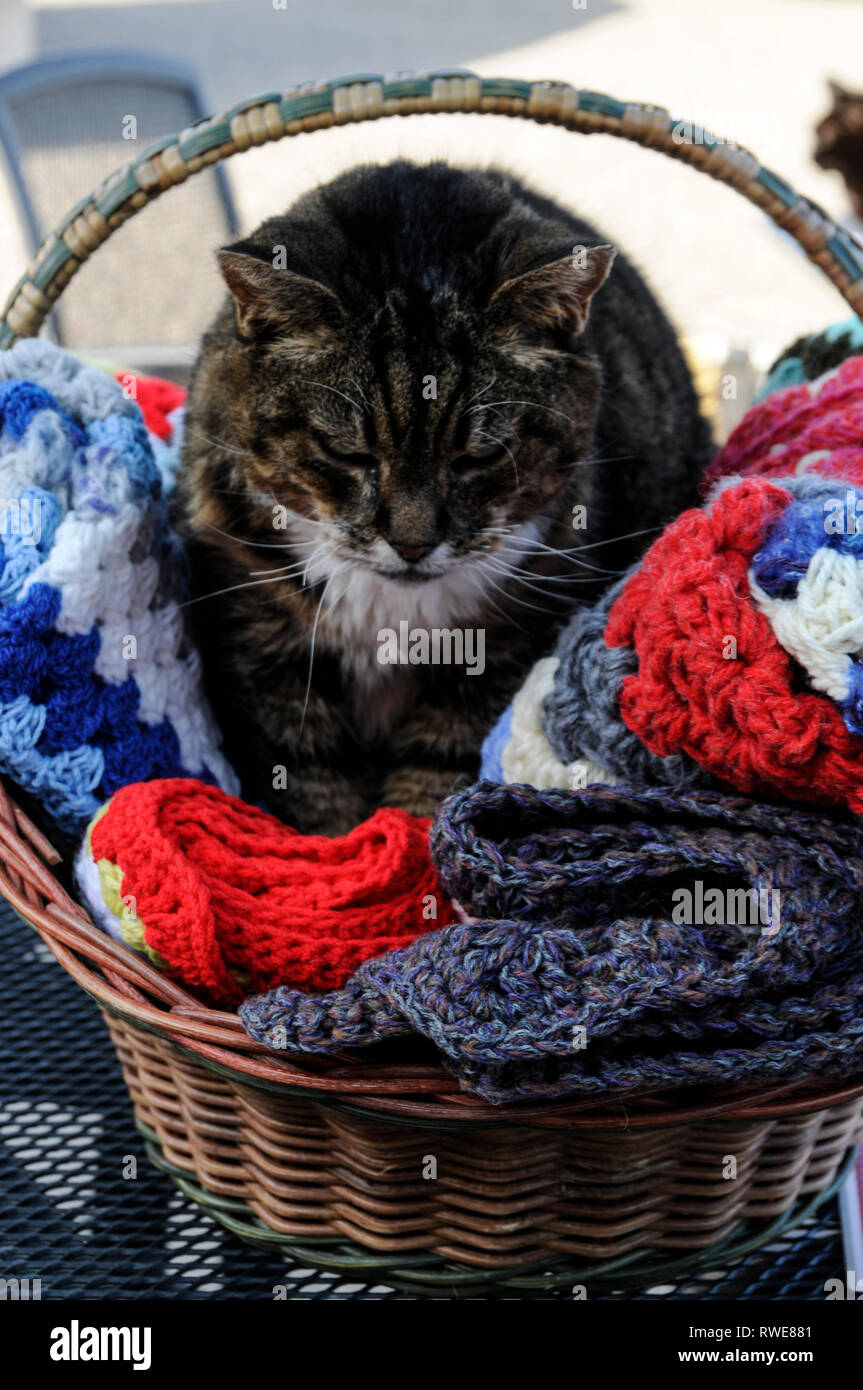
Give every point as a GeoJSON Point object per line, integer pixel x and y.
{"type": "Point", "coordinates": [528, 756]}
{"type": "Point", "coordinates": [366, 97]}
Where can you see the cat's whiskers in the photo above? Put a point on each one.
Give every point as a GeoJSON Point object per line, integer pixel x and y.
{"type": "Point", "coordinates": [502, 419]}
{"type": "Point", "coordinates": [270, 576]}
{"type": "Point", "coordinates": [297, 566]}
{"type": "Point", "coordinates": [529, 543]}
{"type": "Point", "coordinates": [592, 545]}
{"type": "Point", "coordinates": [480, 392]}
{"type": "Point", "coordinates": [517, 570]}
{"type": "Point", "coordinates": [259, 545]}
{"type": "Point", "coordinates": [248, 584]}
{"type": "Point", "coordinates": [486, 598]}
{"type": "Point", "coordinates": [299, 518]}
{"type": "Point", "coordinates": [573, 559]}
{"type": "Point", "coordinates": [364, 397]}
{"type": "Point", "coordinates": [286, 570]}
{"type": "Point", "coordinates": [335, 390]}
{"type": "Point", "coordinates": [218, 443]}
{"type": "Point", "coordinates": [519, 580]}
{"type": "Point", "coordinates": [537, 608]}
{"type": "Point", "coordinates": [313, 643]}
{"type": "Point", "coordinates": [539, 405]}
{"type": "Point", "coordinates": [320, 551]}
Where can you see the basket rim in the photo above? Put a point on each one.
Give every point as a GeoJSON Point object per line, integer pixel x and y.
{"type": "Point", "coordinates": [127, 987]}
{"type": "Point", "coordinates": [312, 106]}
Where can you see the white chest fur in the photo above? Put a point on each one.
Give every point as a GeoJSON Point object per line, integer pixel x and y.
{"type": "Point", "coordinates": [363, 606]}
{"type": "Point", "coordinates": [359, 604]}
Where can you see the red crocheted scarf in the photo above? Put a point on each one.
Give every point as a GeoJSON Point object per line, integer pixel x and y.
{"type": "Point", "coordinates": [234, 901]}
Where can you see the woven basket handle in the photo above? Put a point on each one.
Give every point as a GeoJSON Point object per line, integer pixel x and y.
{"type": "Point", "coordinates": [314, 106]}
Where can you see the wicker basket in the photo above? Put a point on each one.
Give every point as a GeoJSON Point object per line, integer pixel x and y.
{"type": "Point", "coordinates": [375, 1164]}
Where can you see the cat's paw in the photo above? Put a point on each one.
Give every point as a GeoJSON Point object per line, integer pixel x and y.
{"type": "Point", "coordinates": [421, 790]}
{"type": "Point", "coordinates": [319, 807]}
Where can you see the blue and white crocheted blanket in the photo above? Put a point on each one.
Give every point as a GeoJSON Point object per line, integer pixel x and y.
{"type": "Point", "coordinates": [99, 685]}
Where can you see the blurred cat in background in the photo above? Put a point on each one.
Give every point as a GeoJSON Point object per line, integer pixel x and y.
{"type": "Point", "coordinates": [839, 142]}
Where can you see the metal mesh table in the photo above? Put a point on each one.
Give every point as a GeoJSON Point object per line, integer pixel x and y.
{"type": "Point", "coordinates": [82, 1210]}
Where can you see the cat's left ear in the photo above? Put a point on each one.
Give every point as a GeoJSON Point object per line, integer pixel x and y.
{"type": "Point", "coordinates": [555, 298]}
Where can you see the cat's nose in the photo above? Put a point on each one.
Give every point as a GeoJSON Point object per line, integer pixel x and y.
{"type": "Point", "coordinates": [411, 553]}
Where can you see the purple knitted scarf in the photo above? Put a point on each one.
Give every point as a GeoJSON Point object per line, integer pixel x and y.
{"type": "Point", "coordinates": [596, 967]}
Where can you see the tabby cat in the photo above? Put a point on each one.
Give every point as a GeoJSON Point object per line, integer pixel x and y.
{"type": "Point", "coordinates": [434, 402]}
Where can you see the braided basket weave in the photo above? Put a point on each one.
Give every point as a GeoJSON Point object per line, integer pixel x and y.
{"type": "Point", "coordinates": [330, 1159]}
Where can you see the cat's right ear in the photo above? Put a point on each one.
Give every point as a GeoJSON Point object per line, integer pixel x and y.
{"type": "Point", "coordinates": [268, 299]}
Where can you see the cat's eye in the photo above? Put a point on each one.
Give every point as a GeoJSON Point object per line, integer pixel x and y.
{"type": "Point", "coordinates": [356, 460]}
{"type": "Point", "coordinates": [478, 458]}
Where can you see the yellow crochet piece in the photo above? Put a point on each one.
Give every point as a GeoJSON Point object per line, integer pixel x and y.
{"type": "Point", "coordinates": [111, 881]}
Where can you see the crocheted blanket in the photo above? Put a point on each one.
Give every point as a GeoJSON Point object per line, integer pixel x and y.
{"type": "Point", "coordinates": [99, 685]}
{"type": "Point", "coordinates": [733, 653]}
{"type": "Point", "coordinates": [594, 964]}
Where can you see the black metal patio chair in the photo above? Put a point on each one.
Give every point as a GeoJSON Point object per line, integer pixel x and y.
{"type": "Point", "coordinates": [65, 123]}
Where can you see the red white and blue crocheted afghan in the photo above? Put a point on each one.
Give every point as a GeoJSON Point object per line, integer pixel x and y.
{"type": "Point", "coordinates": [98, 685]}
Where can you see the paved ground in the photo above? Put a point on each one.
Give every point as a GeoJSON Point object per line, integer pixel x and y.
{"type": "Point", "coordinates": [750, 69]}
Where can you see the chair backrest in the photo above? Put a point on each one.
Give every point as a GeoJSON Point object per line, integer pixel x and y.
{"type": "Point", "coordinates": [66, 123]}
